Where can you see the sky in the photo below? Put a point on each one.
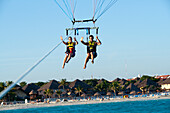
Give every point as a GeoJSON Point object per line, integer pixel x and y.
{"type": "Point", "coordinates": [135, 36]}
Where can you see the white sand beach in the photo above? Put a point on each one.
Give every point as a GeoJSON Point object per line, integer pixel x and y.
{"type": "Point", "coordinates": [79, 102]}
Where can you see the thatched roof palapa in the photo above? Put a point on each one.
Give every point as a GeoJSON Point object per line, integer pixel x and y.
{"type": "Point", "coordinates": [33, 92]}
{"type": "Point", "coordinates": [147, 82]}
{"type": "Point", "coordinates": [132, 87]}
{"type": "Point", "coordinates": [53, 84]}
{"type": "Point", "coordinates": [121, 93]}
{"type": "Point", "coordinates": [83, 95]}
{"type": "Point", "coordinates": [133, 92]}
{"type": "Point", "coordinates": [97, 94]}
{"type": "Point", "coordinates": [138, 82]}
{"type": "Point", "coordinates": [29, 87]}
{"type": "Point", "coordinates": [160, 81]}
{"type": "Point", "coordinates": [167, 81]}
{"type": "Point", "coordinates": [102, 80]}
{"type": "Point", "coordinates": [77, 83]}
{"type": "Point", "coordinates": [116, 80]}
{"type": "Point", "coordinates": [122, 81]}
{"type": "Point", "coordinates": [109, 94]}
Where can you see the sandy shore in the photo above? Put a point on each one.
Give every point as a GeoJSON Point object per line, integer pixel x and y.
{"type": "Point", "coordinates": [80, 102]}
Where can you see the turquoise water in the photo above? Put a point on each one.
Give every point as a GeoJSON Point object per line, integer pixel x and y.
{"type": "Point", "coordinates": [151, 106]}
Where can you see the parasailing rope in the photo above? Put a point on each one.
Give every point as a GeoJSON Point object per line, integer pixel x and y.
{"type": "Point", "coordinates": [29, 70]}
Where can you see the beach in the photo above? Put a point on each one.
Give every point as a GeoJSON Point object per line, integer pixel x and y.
{"type": "Point", "coordinates": [79, 102]}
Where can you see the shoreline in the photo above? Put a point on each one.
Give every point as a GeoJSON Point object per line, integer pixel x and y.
{"type": "Point", "coordinates": [80, 102]}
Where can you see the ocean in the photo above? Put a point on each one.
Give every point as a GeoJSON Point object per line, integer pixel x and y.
{"type": "Point", "coordinates": [149, 106]}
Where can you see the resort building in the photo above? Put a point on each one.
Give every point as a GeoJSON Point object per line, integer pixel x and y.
{"type": "Point", "coordinates": [52, 85]}
{"type": "Point", "coordinates": [163, 77]}
{"type": "Point", "coordinates": [19, 92]}
{"type": "Point", "coordinates": [166, 84]}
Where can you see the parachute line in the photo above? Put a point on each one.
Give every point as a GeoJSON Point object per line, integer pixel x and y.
{"type": "Point", "coordinates": [107, 7]}
{"type": "Point", "coordinates": [63, 10]}
{"type": "Point", "coordinates": [67, 7]}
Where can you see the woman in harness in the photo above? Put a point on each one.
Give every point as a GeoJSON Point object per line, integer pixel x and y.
{"type": "Point", "coordinates": [70, 52]}
{"type": "Point", "coordinates": [91, 49]}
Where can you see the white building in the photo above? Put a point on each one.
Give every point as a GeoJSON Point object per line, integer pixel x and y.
{"type": "Point", "coordinates": [166, 84]}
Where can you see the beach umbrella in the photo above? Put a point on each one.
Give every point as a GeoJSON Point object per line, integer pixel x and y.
{"type": "Point", "coordinates": [121, 93]}
{"type": "Point", "coordinates": [83, 95]}
{"type": "Point", "coordinates": [133, 93]}
{"type": "Point", "coordinates": [97, 94]}
{"type": "Point", "coordinates": [33, 92]}
{"type": "Point", "coordinates": [109, 94]}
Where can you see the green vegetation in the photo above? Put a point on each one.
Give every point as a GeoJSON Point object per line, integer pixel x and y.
{"type": "Point", "coordinates": [48, 93]}
{"type": "Point", "coordinates": [63, 83]}
{"type": "Point", "coordinates": [40, 83]}
{"type": "Point", "coordinates": [59, 92]}
{"type": "Point", "coordinates": [149, 77]}
{"type": "Point", "coordinates": [79, 90]}
{"type": "Point", "coordinates": [102, 87]}
{"type": "Point", "coordinates": [22, 84]}
{"type": "Point", "coordinates": [115, 87]}
{"type": "Point", "coordinates": [91, 82]}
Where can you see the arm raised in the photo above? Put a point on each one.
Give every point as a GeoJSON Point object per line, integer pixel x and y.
{"type": "Point", "coordinates": [98, 41]}
{"type": "Point", "coordinates": [75, 41]}
{"type": "Point", "coordinates": [83, 41]}
{"type": "Point", "coordinates": [62, 40]}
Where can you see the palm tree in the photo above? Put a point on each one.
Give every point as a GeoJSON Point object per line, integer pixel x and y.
{"type": "Point", "coordinates": [109, 88]}
{"type": "Point", "coordinates": [79, 89]}
{"type": "Point", "coordinates": [123, 89]}
{"type": "Point", "coordinates": [2, 86]}
{"type": "Point", "coordinates": [8, 83]}
{"type": "Point", "coordinates": [102, 87]}
{"type": "Point", "coordinates": [59, 92]}
{"type": "Point", "coordinates": [146, 88]}
{"type": "Point", "coordinates": [48, 92]}
{"type": "Point", "coordinates": [99, 87]}
{"type": "Point", "coordinates": [115, 86]}
{"type": "Point", "coordinates": [22, 84]}
{"type": "Point", "coordinates": [10, 93]}
{"type": "Point", "coordinates": [142, 89]}
{"type": "Point", "coordinates": [63, 83]}
{"type": "Point", "coordinates": [45, 93]}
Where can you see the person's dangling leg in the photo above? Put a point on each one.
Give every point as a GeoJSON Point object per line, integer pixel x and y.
{"type": "Point", "coordinates": [92, 57]}
{"type": "Point", "coordinates": [65, 61]}
{"type": "Point", "coordinates": [87, 59]}
{"type": "Point", "coordinates": [69, 57]}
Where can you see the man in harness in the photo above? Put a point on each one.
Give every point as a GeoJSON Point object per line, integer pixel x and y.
{"type": "Point", "coordinates": [91, 49]}
{"type": "Point", "coordinates": [70, 52]}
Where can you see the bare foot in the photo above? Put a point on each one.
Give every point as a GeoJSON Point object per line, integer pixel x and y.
{"type": "Point", "coordinates": [63, 66]}
{"type": "Point", "coordinates": [84, 67]}
{"type": "Point", "coordinates": [92, 61]}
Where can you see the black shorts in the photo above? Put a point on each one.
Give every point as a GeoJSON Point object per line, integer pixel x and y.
{"type": "Point", "coordinates": [72, 54]}
{"type": "Point", "coordinates": [94, 55]}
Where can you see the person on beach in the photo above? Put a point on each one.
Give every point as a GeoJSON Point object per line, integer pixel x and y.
{"type": "Point", "coordinates": [91, 49]}
{"type": "Point", "coordinates": [70, 52]}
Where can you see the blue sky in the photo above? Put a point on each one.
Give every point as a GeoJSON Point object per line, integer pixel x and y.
{"type": "Point", "coordinates": [134, 33]}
